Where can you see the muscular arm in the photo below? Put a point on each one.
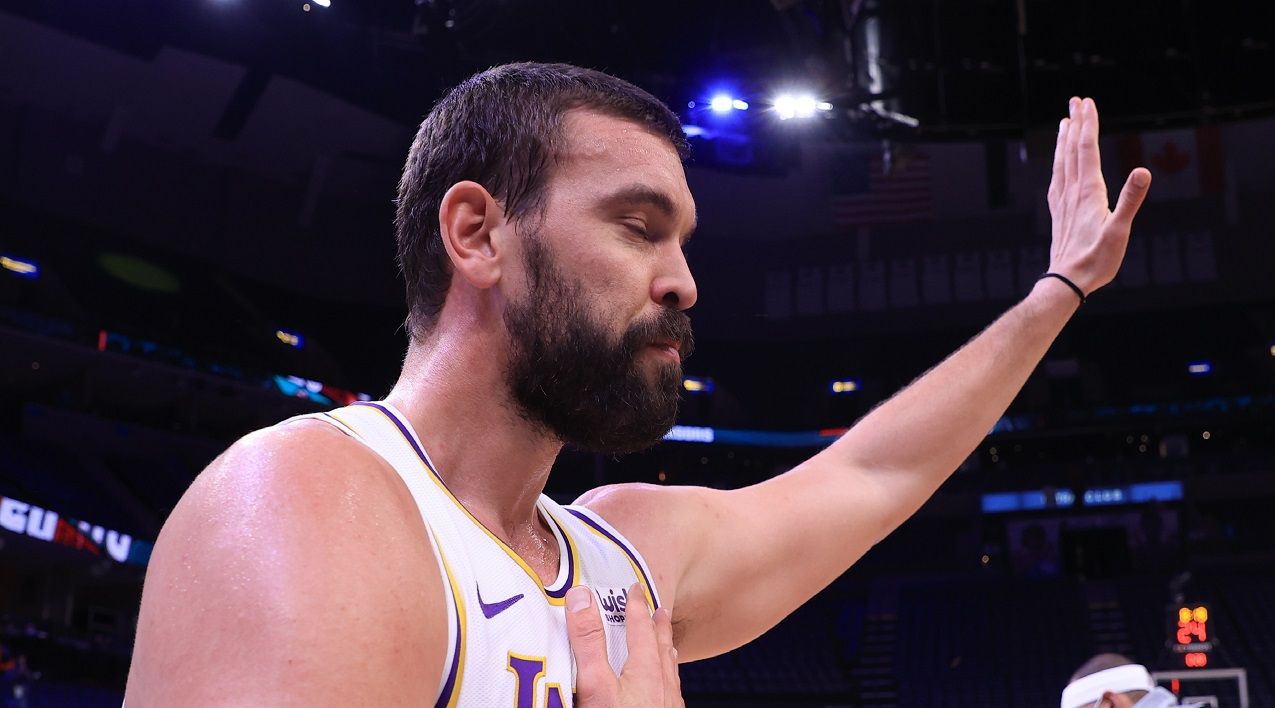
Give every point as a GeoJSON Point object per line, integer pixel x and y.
{"type": "Point", "coordinates": [293, 572]}
{"type": "Point", "coordinates": [735, 563]}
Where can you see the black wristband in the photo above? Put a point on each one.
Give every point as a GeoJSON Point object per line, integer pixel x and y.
{"type": "Point", "coordinates": [1075, 288]}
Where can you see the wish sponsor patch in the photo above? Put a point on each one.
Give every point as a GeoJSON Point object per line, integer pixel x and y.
{"type": "Point", "coordinates": [613, 603]}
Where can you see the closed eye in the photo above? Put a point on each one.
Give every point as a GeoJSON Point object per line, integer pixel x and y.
{"type": "Point", "coordinates": [637, 228]}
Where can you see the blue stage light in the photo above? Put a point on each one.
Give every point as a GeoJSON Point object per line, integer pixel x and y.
{"type": "Point", "coordinates": [722, 103]}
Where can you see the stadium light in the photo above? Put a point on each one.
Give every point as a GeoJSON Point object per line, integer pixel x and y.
{"type": "Point", "coordinates": [846, 386]}
{"type": "Point", "coordinates": [21, 267]}
{"type": "Point", "coordinates": [1199, 368]}
{"type": "Point", "coordinates": [725, 103]}
{"type": "Point", "coordinates": [697, 385]}
{"type": "Point", "coordinates": [788, 106]}
{"type": "Point", "coordinates": [322, 3]}
{"type": "Point", "coordinates": [785, 106]}
{"type": "Point", "coordinates": [292, 339]}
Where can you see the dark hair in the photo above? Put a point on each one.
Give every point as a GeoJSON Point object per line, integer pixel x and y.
{"type": "Point", "coordinates": [501, 128]}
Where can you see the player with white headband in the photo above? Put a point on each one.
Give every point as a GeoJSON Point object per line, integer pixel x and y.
{"type": "Point", "coordinates": [1114, 681]}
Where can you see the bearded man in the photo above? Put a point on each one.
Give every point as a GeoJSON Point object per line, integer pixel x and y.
{"type": "Point", "coordinates": [402, 551]}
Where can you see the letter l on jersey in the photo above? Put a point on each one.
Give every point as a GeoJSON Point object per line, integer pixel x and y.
{"type": "Point", "coordinates": [527, 671]}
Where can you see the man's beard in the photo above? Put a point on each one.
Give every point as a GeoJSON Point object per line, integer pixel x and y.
{"type": "Point", "coordinates": [565, 373]}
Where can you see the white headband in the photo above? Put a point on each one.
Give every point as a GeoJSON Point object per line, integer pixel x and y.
{"type": "Point", "coordinates": [1086, 691]}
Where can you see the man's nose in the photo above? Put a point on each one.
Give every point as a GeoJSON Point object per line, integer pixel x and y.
{"type": "Point", "coordinates": [674, 286]}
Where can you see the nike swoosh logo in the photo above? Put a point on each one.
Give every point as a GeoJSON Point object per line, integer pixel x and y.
{"type": "Point", "coordinates": [491, 609]}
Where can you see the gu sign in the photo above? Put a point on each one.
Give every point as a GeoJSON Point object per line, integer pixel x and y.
{"type": "Point", "coordinates": [46, 525]}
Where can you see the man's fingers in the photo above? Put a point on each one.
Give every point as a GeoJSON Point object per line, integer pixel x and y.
{"type": "Point", "coordinates": [644, 655]}
{"type": "Point", "coordinates": [594, 677]}
{"type": "Point", "coordinates": [663, 621]}
{"type": "Point", "coordinates": [1059, 180]}
{"type": "Point", "coordinates": [677, 682]}
{"type": "Point", "coordinates": [1070, 166]}
{"type": "Point", "coordinates": [1090, 163]}
{"type": "Point", "coordinates": [1131, 197]}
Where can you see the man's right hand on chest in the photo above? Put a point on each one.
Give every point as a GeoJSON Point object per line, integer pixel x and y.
{"type": "Point", "coordinates": [649, 678]}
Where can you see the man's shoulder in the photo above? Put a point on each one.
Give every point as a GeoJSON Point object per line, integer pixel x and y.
{"type": "Point", "coordinates": [300, 474]}
{"type": "Point", "coordinates": [295, 545]}
{"type": "Point", "coordinates": [299, 454]}
{"type": "Point", "coordinates": [637, 506]}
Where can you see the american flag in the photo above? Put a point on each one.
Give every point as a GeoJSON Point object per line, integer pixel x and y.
{"type": "Point", "coordinates": [864, 193]}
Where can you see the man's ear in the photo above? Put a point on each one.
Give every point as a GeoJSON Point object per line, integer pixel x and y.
{"type": "Point", "coordinates": [469, 219]}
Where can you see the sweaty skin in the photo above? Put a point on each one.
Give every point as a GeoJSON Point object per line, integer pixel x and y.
{"type": "Point", "coordinates": [334, 597]}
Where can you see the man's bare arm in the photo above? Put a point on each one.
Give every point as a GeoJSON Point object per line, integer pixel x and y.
{"type": "Point", "coordinates": [295, 571]}
{"type": "Point", "coordinates": [737, 562]}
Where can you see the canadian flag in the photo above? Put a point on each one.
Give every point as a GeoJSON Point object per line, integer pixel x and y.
{"type": "Point", "coordinates": [1184, 163]}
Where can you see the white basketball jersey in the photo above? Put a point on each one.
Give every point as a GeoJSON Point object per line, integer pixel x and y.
{"type": "Point", "coordinates": [507, 636]}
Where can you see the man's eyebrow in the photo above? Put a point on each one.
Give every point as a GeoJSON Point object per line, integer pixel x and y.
{"type": "Point", "coordinates": [643, 195]}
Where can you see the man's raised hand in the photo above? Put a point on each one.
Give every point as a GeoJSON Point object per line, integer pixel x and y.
{"type": "Point", "coordinates": [1089, 239]}
{"type": "Point", "coordinates": [649, 678]}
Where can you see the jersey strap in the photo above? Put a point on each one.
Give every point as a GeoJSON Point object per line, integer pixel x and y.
{"type": "Point", "coordinates": [371, 428]}
{"type": "Point", "coordinates": [600, 528]}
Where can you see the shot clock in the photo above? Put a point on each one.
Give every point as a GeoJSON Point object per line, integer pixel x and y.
{"type": "Point", "coordinates": [1191, 634]}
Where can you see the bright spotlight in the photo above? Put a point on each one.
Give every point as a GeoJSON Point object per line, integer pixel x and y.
{"type": "Point", "coordinates": [722, 104]}
{"type": "Point", "coordinates": [788, 106]}
{"type": "Point", "coordinates": [322, 3]}
{"type": "Point", "coordinates": [785, 106]}
{"type": "Point", "coordinates": [739, 105]}
{"type": "Point", "coordinates": [806, 106]}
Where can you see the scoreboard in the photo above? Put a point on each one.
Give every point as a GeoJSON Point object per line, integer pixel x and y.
{"type": "Point", "coordinates": [1191, 635]}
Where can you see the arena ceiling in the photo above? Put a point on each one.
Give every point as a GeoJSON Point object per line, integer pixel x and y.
{"type": "Point", "coordinates": [208, 127]}
{"type": "Point", "coordinates": [959, 68]}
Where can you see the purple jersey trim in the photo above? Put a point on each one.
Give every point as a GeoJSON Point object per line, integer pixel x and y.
{"type": "Point", "coordinates": [637, 563]}
{"type": "Point", "coordinates": [445, 696]}
{"type": "Point", "coordinates": [407, 435]}
{"type": "Point", "coordinates": [571, 562]}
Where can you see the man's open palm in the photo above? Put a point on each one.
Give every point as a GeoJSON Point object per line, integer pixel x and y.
{"type": "Point", "coordinates": [1089, 239]}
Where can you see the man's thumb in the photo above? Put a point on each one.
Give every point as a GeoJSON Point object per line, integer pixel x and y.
{"type": "Point", "coordinates": [1131, 197]}
{"type": "Point", "coordinates": [594, 677]}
